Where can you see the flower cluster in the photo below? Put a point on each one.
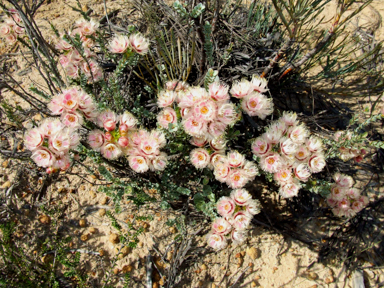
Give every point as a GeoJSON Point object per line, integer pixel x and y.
{"type": "Point", "coordinates": [344, 199]}
{"type": "Point", "coordinates": [72, 104]}
{"type": "Point", "coordinates": [121, 137]}
{"type": "Point", "coordinates": [12, 27]}
{"type": "Point", "coordinates": [287, 151]}
{"type": "Point", "coordinates": [237, 212]}
{"type": "Point", "coordinates": [72, 61]}
{"type": "Point", "coordinates": [205, 114]}
{"type": "Point", "coordinates": [355, 152]}
{"type": "Point", "coordinates": [50, 144]}
{"type": "Point", "coordinates": [253, 102]}
{"type": "Point", "coordinates": [232, 168]}
{"type": "Point", "coordinates": [137, 43]}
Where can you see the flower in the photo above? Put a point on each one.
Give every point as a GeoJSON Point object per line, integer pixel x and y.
{"type": "Point", "coordinates": [205, 110]}
{"type": "Point", "coordinates": [259, 84]}
{"type": "Point", "coordinates": [316, 163]}
{"type": "Point", "coordinates": [166, 98]}
{"type": "Point", "coordinates": [302, 172]}
{"type": "Point", "coordinates": [123, 141]}
{"type": "Point", "coordinates": [241, 220]}
{"type": "Point", "coordinates": [139, 44]}
{"type": "Point", "coordinates": [194, 126]}
{"type": "Point", "coordinates": [289, 118]}
{"type": "Point", "coordinates": [60, 142]}
{"type": "Point", "coordinates": [270, 163]}
{"type": "Point", "coordinates": [138, 164]}
{"type": "Point", "coordinates": [237, 178]}
{"type": "Point", "coordinates": [218, 92]}
{"type": "Point", "coordinates": [216, 241]}
{"type": "Point", "coordinates": [343, 180]}
{"type": "Point", "coordinates": [198, 141]}
{"type": "Point", "coordinates": [253, 206]}
{"type": "Point", "coordinates": [289, 190]}
{"type": "Point", "coordinates": [240, 196]}
{"type": "Point", "coordinates": [302, 153]}
{"type": "Point", "coordinates": [96, 139]}
{"type": "Point", "coordinates": [235, 159]}
{"type": "Point", "coordinates": [128, 119]}
{"type": "Point", "coordinates": [108, 120]}
{"type": "Point", "coordinates": [199, 157]}
{"type": "Point", "coordinates": [260, 146]}
{"type": "Point", "coordinates": [225, 206]}
{"type": "Point", "coordinates": [221, 171]}
{"type": "Point", "coordinates": [71, 119]}
{"type": "Point", "coordinates": [238, 236]}
{"type": "Point", "coordinates": [256, 104]}
{"type": "Point", "coordinates": [218, 143]}
{"type": "Point", "coordinates": [298, 134]}
{"type": "Point", "coordinates": [241, 88]}
{"type": "Point", "coordinates": [227, 113]}
{"type": "Point", "coordinates": [314, 144]}
{"type": "Point", "coordinates": [33, 139]}
{"type": "Point", "coordinates": [283, 176]}
{"type": "Point", "coordinates": [119, 44]}
{"type": "Point", "coordinates": [221, 226]}
{"type": "Point", "coordinates": [110, 151]}
{"type": "Point", "coordinates": [43, 157]}
{"type": "Point", "coordinates": [167, 116]}
{"type": "Point", "coordinates": [159, 162]}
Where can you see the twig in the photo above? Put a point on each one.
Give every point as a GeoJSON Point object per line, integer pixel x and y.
{"type": "Point", "coordinates": [149, 271]}
{"type": "Point", "coordinates": [238, 278]}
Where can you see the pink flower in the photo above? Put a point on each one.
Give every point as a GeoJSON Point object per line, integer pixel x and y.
{"type": "Point", "coordinates": [221, 171]}
{"type": "Point", "coordinates": [149, 146]}
{"type": "Point", "coordinates": [108, 120]}
{"type": "Point", "coordinates": [314, 144]}
{"type": "Point", "coordinates": [198, 141]}
{"type": "Point", "coordinates": [302, 153]}
{"type": "Point", "coordinates": [259, 84]}
{"type": "Point", "coordinates": [241, 88]}
{"type": "Point", "coordinates": [235, 159]}
{"type": "Point", "coordinates": [316, 163]}
{"type": "Point", "coordinates": [119, 44]}
{"type": "Point", "coordinates": [4, 30]}
{"type": "Point", "coordinates": [176, 86]}
{"type": "Point", "coordinates": [71, 119]}
{"type": "Point", "coordinates": [241, 196]}
{"type": "Point", "coordinates": [166, 98]}
{"type": "Point", "coordinates": [192, 96]}
{"type": "Point", "coordinates": [337, 192]}
{"type": "Point", "coordinates": [241, 220]}
{"type": "Point", "coordinates": [283, 176]}
{"type": "Point", "coordinates": [344, 204]}
{"type": "Point", "coordinates": [253, 206]}
{"type": "Point", "coordinates": [256, 104]}
{"type": "Point", "coordinates": [43, 157]}
{"type": "Point", "coordinates": [238, 236]}
{"type": "Point", "coordinates": [364, 200]}
{"type": "Point", "coordinates": [159, 162]}
{"type": "Point", "coordinates": [199, 158]}
{"type": "Point", "coordinates": [60, 142]}
{"type": "Point", "coordinates": [331, 201]}
{"type": "Point", "coordinates": [96, 139]}
{"type": "Point", "coordinates": [343, 180]}
{"type": "Point", "coordinates": [272, 136]}
{"type": "Point", "coordinates": [194, 126]}
{"type": "Point", "coordinates": [217, 242]}
{"type": "Point", "coordinates": [227, 113]}
{"type": "Point", "coordinates": [138, 164]}
{"type": "Point", "coordinates": [110, 151]}
{"type": "Point", "coordinates": [218, 143]}
{"type": "Point", "coordinates": [128, 119]}
{"type": "Point", "coordinates": [289, 118]}
{"type": "Point", "coordinates": [353, 193]}
{"type": "Point", "coordinates": [72, 70]}
{"type": "Point", "coordinates": [250, 170]}
{"type": "Point", "coordinates": [205, 110]}
{"type": "Point", "coordinates": [357, 206]}
{"type": "Point", "coordinates": [302, 172]}
{"type": "Point", "coordinates": [218, 91]}
{"type": "Point", "coordinates": [237, 178]}
{"type": "Point", "coordinates": [270, 163]}
{"type": "Point", "coordinates": [260, 146]}
{"type": "Point", "coordinates": [18, 30]}
{"type": "Point", "coordinates": [289, 190]}
{"type": "Point", "coordinates": [225, 206]}
{"type": "Point", "coordinates": [85, 102]}
{"type": "Point", "coordinates": [108, 137]}
{"type": "Point", "coordinates": [74, 138]}
{"type": "Point", "coordinates": [216, 129]}
{"type": "Point", "coordinates": [167, 116]}
{"type": "Point", "coordinates": [63, 162]}
{"type": "Point", "coordinates": [33, 139]}
{"type": "Point", "coordinates": [123, 141]}
{"type": "Point", "coordinates": [63, 45]}
{"type": "Point", "coordinates": [88, 27]}
{"type": "Point", "coordinates": [221, 226]}
{"type": "Point", "coordinates": [11, 39]}
{"type": "Point", "coordinates": [64, 60]}
{"type": "Point", "coordinates": [139, 44]}
{"type": "Point", "coordinates": [298, 134]}
{"type": "Point", "coordinates": [159, 137]}
{"type": "Point", "coordinates": [51, 126]}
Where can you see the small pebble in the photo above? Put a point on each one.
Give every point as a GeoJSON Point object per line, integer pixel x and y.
{"type": "Point", "coordinates": [92, 193]}
{"type": "Point", "coordinates": [116, 271]}
{"type": "Point", "coordinates": [92, 230]}
{"type": "Point", "coordinates": [312, 276]}
{"type": "Point", "coordinates": [253, 253]}
{"type": "Point", "coordinates": [253, 284]}
{"type": "Point", "coordinates": [204, 267]}
{"type": "Point", "coordinates": [102, 212]}
{"type": "Point", "coordinates": [101, 251]}
{"type": "Point", "coordinates": [85, 8]}
{"type": "Point", "coordinates": [45, 219]}
{"type": "Point", "coordinates": [329, 280]}
{"type": "Point", "coordinates": [6, 185]}
{"type": "Point", "coordinates": [84, 237]}
{"type": "Point", "coordinates": [114, 238]}
{"type": "Point", "coordinates": [173, 230]}
{"type": "Point", "coordinates": [127, 268]}
{"type": "Point", "coordinates": [82, 222]}
{"type": "Point", "coordinates": [104, 200]}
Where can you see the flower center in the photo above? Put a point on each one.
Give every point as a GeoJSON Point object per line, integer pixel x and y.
{"type": "Point", "coordinates": [262, 147]}
{"type": "Point", "coordinates": [236, 178]}
{"type": "Point", "coordinates": [301, 154]}
{"type": "Point", "coordinates": [140, 161]}
{"type": "Point", "coordinates": [71, 118]}
{"type": "Point", "coordinates": [168, 118]}
{"type": "Point", "coordinates": [195, 123]}
{"type": "Point", "coordinates": [111, 148]}
{"type": "Point", "coordinates": [44, 156]}
{"type": "Point", "coordinates": [284, 175]}
{"type": "Point", "coordinates": [271, 161]}
{"type": "Point", "coordinates": [200, 157]}
{"type": "Point", "coordinates": [253, 104]}
{"type": "Point", "coordinates": [148, 148]}
{"type": "Point", "coordinates": [220, 228]}
{"type": "Point", "coordinates": [69, 102]}
{"type": "Point", "coordinates": [58, 143]}
{"type": "Point", "coordinates": [227, 207]}
{"type": "Point", "coordinates": [204, 110]}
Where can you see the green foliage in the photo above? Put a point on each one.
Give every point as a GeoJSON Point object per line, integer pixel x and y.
{"type": "Point", "coordinates": [208, 46]}
{"type": "Point", "coordinates": [14, 113]}
{"type": "Point", "coordinates": [210, 77]}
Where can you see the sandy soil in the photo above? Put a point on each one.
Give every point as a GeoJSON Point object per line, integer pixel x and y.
{"type": "Point", "coordinates": [279, 262]}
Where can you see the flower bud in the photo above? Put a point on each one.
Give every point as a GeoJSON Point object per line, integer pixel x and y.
{"type": "Point", "coordinates": [123, 141]}
{"type": "Point", "coordinates": [123, 128]}
{"type": "Point", "coordinates": [108, 136]}
{"type": "Point", "coordinates": [109, 125]}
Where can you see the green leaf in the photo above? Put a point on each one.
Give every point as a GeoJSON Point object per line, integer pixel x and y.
{"type": "Point", "coordinates": [184, 191]}
{"type": "Point", "coordinates": [207, 190]}
{"type": "Point", "coordinates": [164, 205]}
